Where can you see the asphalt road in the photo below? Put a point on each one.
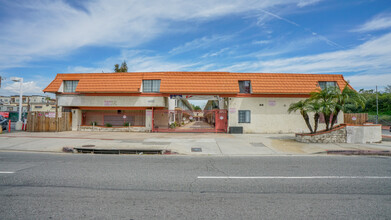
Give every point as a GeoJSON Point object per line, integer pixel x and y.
{"type": "Point", "coordinates": [74, 186]}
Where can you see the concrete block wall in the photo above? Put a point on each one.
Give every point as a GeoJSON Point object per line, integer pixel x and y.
{"type": "Point", "coordinates": [364, 134]}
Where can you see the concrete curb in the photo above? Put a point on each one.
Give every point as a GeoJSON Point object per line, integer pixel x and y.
{"type": "Point", "coordinates": [359, 152]}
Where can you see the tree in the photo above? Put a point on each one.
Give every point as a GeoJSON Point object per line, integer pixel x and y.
{"type": "Point", "coordinates": [116, 68]}
{"type": "Point", "coordinates": [301, 106]}
{"type": "Point", "coordinates": [122, 69]}
{"type": "Point", "coordinates": [344, 97]}
{"type": "Point", "coordinates": [325, 99]}
{"type": "Point", "coordinates": [196, 107]}
{"type": "Point", "coordinates": [315, 107]}
{"type": "Point", "coordinates": [329, 102]}
{"type": "Point", "coordinates": [387, 89]}
{"type": "Point", "coordinates": [332, 101]}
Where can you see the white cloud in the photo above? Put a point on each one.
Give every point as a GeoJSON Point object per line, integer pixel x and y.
{"type": "Point", "coordinates": [216, 53]}
{"type": "Point", "coordinates": [265, 15]}
{"type": "Point", "coordinates": [137, 61]}
{"type": "Point", "coordinates": [200, 43]}
{"type": "Point", "coordinates": [43, 28]}
{"type": "Point", "coordinates": [262, 42]}
{"type": "Point", "coordinates": [29, 88]}
{"type": "Point", "coordinates": [380, 22]}
{"type": "Point", "coordinates": [369, 81]}
{"type": "Point", "coordinates": [371, 58]}
{"type": "Point", "coordinates": [303, 3]}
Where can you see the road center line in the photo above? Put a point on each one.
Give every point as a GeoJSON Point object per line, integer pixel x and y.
{"type": "Point", "coordinates": [6, 172]}
{"type": "Point", "coordinates": [294, 177]}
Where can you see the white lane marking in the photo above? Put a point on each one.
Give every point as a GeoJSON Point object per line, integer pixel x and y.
{"type": "Point", "coordinates": [294, 177]}
{"type": "Point", "coordinates": [6, 172]}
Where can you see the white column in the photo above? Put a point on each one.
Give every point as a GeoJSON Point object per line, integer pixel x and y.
{"type": "Point", "coordinates": [148, 119]}
{"type": "Point", "coordinates": [221, 103]}
{"type": "Point", "coordinates": [76, 119]}
{"type": "Point", "coordinates": [19, 124]}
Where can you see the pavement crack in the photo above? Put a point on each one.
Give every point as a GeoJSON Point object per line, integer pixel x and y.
{"type": "Point", "coordinates": [191, 185]}
{"type": "Point", "coordinates": [211, 165]}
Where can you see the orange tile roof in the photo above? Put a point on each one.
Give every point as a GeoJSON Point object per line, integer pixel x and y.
{"type": "Point", "coordinates": [196, 82]}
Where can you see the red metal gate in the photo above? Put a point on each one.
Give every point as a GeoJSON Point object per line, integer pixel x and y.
{"type": "Point", "coordinates": [189, 121]}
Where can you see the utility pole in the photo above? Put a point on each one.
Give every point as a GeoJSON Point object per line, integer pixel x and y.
{"type": "Point", "coordinates": [377, 107]}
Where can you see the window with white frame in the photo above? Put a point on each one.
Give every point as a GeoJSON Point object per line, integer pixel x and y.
{"type": "Point", "coordinates": [244, 116]}
{"type": "Point", "coordinates": [151, 85]}
{"type": "Point", "coordinates": [324, 84]}
{"type": "Point", "coordinates": [70, 85]}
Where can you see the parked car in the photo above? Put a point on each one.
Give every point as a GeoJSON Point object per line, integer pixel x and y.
{"type": "Point", "coordinates": [3, 122]}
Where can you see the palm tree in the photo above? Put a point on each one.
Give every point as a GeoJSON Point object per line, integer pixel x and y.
{"type": "Point", "coordinates": [344, 97]}
{"type": "Point", "coordinates": [325, 98]}
{"type": "Point", "coordinates": [314, 106]}
{"type": "Point", "coordinates": [301, 106]}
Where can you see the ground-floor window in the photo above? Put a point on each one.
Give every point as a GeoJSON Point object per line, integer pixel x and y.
{"type": "Point", "coordinates": [244, 116]}
{"type": "Point", "coordinates": [114, 117]}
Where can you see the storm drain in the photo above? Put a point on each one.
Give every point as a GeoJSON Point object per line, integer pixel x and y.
{"type": "Point", "coordinates": [196, 149]}
{"type": "Point", "coordinates": [117, 151]}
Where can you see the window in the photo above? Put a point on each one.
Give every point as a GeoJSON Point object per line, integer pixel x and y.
{"type": "Point", "coordinates": [244, 116]}
{"type": "Point", "coordinates": [245, 86]}
{"type": "Point", "coordinates": [151, 85]}
{"type": "Point", "coordinates": [70, 85]}
{"type": "Point", "coordinates": [325, 85]}
{"type": "Point", "coordinates": [38, 106]}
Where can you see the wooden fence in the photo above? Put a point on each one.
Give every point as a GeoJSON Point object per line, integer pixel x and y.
{"type": "Point", "coordinates": [46, 122]}
{"type": "Point", "coordinates": [355, 118]}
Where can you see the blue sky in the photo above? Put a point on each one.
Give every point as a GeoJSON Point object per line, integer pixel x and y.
{"type": "Point", "coordinates": [40, 38]}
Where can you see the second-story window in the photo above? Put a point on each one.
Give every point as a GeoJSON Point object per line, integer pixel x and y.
{"type": "Point", "coordinates": [245, 86]}
{"type": "Point", "coordinates": [70, 85]}
{"type": "Point", "coordinates": [151, 85]}
{"type": "Point", "coordinates": [324, 85]}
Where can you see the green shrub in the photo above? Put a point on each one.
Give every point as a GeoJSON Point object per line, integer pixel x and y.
{"type": "Point", "coordinates": [109, 125]}
{"type": "Point", "coordinates": [94, 123]}
{"type": "Point", "coordinates": [126, 124]}
{"type": "Point", "coordinates": [172, 125]}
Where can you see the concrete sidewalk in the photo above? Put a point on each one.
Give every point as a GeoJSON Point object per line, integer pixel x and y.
{"type": "Point", "coordinates": [181, 143]}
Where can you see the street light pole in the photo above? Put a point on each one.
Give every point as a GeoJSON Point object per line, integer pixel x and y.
{"type": "Point", "coordinates": [19, 124]}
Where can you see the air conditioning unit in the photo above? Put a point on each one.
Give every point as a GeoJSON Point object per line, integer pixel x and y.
{"type": "Point", "coordinates": [236, 130]}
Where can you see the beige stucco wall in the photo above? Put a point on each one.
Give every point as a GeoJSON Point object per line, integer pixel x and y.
{"type": "Point", "coordinates": [110, 101]}
{"type": "Point", "coordinates": [161, 119]}
{"type": "Point", "coordinates": [44, 108]}
{"type": "Point", "coordinates": [270, 115]}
